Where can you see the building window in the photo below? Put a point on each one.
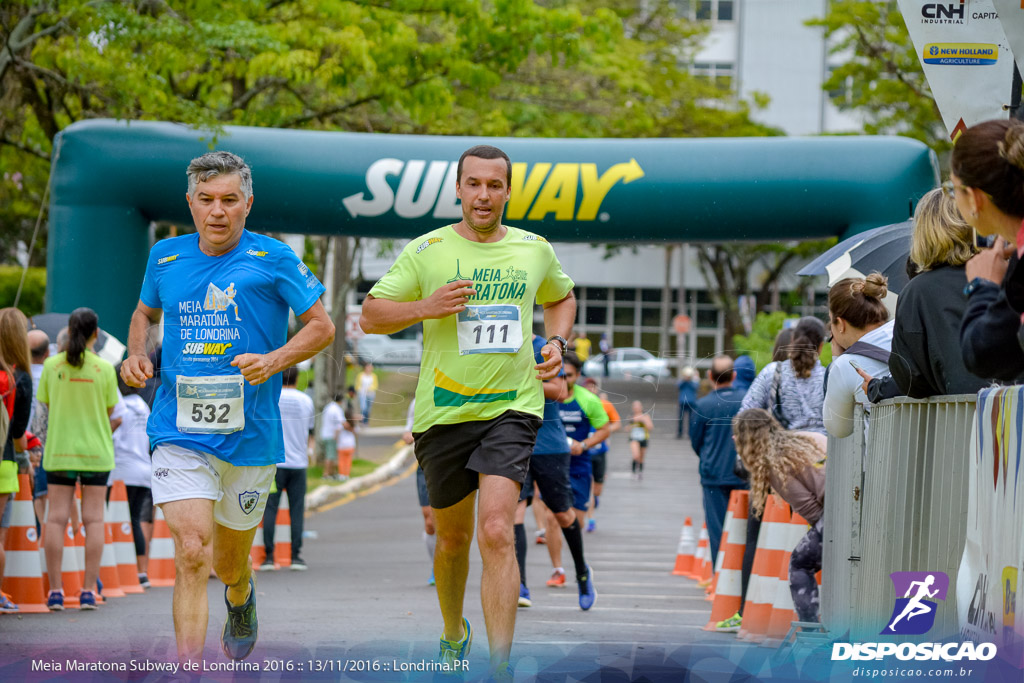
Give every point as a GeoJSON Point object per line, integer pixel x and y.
{"type": "Point", "coordinates": [706, 10]}
{"type": "Point", "coordinates": [597, 315]}
{"type": "Point", "coordinates": [721, 74]}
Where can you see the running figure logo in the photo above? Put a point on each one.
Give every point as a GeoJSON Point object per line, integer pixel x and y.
{"type": "Point", "coordinates": [914, 613]}
{"type": "Point", "coordinates": [218, 299]}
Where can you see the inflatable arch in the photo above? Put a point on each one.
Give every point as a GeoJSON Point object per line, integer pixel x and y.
{"type": "Point", "coordinates": [111, 179]}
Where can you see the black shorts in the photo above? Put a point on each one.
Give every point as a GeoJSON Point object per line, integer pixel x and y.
{"type": "Point", "coordinates": [551, 472]}
{"type": "Point", "coordinates": [454, 455]}
{"type": "Point", "coordinates": [421, 488]}
{"type": "Point", "coordinates": [642, 442]}
{"type": "Point", "coordinates": [69, 478]}
{"type": "Point", "coordinates": [598, 464]}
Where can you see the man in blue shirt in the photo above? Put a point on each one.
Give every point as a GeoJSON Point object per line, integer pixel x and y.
{"type": "Point", "coordinates": [711, 437]}
{"type": "Point", "coordinates": [549, 468]}
{"type": "Point", "coordinates": [224, 294]}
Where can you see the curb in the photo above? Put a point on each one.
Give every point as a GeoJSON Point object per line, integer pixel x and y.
{"type": "Point", "coordinates": [326, 494]}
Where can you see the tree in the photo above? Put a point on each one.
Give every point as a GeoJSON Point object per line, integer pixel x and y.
{"type": "Point", "coordinates": [887, 83]}
{"type": "Point", "coordinates": [728, 270]}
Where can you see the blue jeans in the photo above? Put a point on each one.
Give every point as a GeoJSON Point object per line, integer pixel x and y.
{"type": "Point", "coordinates": [365, 404]}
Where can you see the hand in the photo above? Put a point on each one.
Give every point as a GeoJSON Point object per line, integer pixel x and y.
{"type": "Point", "coordinates": [552, 354]}
{"type": "Point", "coordinates": [576, 448]}
{"type": "Point", "coordinates": [135, 370]}
{"type": "Point", "coordinates": [448, 299]}
{"type": "Point", "coordinates": [256, 368]}
{"type": "Point", "coordinates": [407, 438]}
{"type": "Point", "coordinates": [991, 264]}
{"type": "Point", "coordinates": [867, 379]}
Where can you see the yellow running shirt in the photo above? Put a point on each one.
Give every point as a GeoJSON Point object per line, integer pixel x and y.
{"type": "Point", "coordinates": [78, 438]}
{"type": "Point", "coordinates": [478, 363]}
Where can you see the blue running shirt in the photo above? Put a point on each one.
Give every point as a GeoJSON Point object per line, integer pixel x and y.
{"type": "Point", "coordinates": [551, 436]}
{"type": "Point", "coordinates": [215, 308]}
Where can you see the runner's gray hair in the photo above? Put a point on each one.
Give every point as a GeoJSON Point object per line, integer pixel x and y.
{"type": "Point", "coordinates": [213, 164]}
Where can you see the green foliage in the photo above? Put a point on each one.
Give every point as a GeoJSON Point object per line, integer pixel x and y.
{"type": "Point", "coordinates": [32, 294]}
{"type": "Point", "coordinates": [888, 83]}
{"type": "Point", "coordinates": [569, 68]}
{"type": "Point", "coordinates": [761, 340]}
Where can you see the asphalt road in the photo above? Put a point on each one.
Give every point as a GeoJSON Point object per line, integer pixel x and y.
{"type": "Point", "coordinates": [365, 597]}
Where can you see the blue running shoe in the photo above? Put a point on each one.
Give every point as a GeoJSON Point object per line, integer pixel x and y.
{"type": "Point", "coordinates": [588, 594]}
{"type": "Point", "coordinates": [86, 600]}
{"type": "Point", "coordinates": [503, 673]}
{"type": "Point", "coordinates": [241, 627]}
{"type": "Point", "coordinates": [431, 581]}
{"type": "Point", "coordinates": [591, 525]}
{"type": "Point", "coordinates": [524, 596]}
{"type": "Point", "coordinates": [56, 601]}
{"type": "Point", "coordinates": [6, 606]}
{"type": "Point", "coordinates": [454, 652]}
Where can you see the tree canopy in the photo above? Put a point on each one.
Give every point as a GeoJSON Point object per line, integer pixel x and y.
{"type": "Point", "coordinates": [609, 68]}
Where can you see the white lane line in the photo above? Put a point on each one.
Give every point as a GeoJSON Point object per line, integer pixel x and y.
{"type": "Point", "coordinates": [647, 610]}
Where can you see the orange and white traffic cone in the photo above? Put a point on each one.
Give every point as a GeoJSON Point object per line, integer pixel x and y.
{"type": "Point", "coordinates": [783, 612]}
{"type": "Point", "coordinates": [23, 573]}
{"type": "Point", "coordinates": [709, 592]}
{"type": "Point", "coordinates": [685, 551]}
{"type": "Point", "coordinates": [283, 534]}
{"type": "Point", "coordinates": [772, 543]}
{"type": "Point", "coordinates": [258, 552]}
{"type": "Point", "coordinates": [124, 541]}
{"type": "Point", "coordinates": [707, 570]}
{"type": "Point", "coordinates": [108, 566]}
{"type": "Point", "coordinates": [161, 552]}
{"type": "Point", "coordinates": [729, 579]}
{"type": "Point", "coordinates": [702, 555]}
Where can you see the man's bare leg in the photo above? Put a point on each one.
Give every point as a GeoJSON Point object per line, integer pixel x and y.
{"type": "Point", "coordinates": [454, 526]}
{"type": "Point", "coordinates": [231, 561]}
{"type": "Point", "coordinates": [191, 525]}
{"type": "Point", "coordinates": [499, 585]}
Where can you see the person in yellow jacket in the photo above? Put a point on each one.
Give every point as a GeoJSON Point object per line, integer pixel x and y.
{"type": "Point", "coordinates": [80, 389]}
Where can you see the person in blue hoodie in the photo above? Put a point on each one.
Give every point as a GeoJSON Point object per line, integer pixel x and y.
{"type": "Point", "coordinates": [746, 371]}
{"type": "Point", "coordinates": [687, 399]}
{"type": "Point", "coordinates": [711, 438]}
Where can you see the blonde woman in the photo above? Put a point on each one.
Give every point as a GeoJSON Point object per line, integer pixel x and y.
{"type": "Point", "coordinates": [16, 400]}
{"type": "Point", "coordinates": [926, 358]}
{"type": "Point", "coordinates": [791, 464]}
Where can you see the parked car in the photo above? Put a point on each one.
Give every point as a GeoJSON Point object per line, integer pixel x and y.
{"type": "Point", "coordinates": [629, 363]}
{"type": "Point", "coordinates": [380, 349]}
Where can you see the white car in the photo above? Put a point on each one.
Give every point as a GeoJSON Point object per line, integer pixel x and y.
{"type": "Point", "coordinates": [380, 349]}
{"type": "Point", "coordinates": [629, 363]}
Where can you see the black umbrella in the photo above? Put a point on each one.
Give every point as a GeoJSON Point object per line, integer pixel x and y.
{"type": "Point", "coordinates": [883, 249]}
{"type": "Point", "coordinates": [107, 347]}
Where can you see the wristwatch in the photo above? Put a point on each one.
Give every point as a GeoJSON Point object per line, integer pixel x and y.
{"type": "Point", "coordinates": [975, 284]}
{"type": "Point", "coordinates": [560, 340]}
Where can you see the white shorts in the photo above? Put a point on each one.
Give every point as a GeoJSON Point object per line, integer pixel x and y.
{"type": "Point", "coordinates": [240, 493]}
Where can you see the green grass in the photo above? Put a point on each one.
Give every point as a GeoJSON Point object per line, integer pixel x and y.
{"type": "Point", "coordinates": [315, 473]}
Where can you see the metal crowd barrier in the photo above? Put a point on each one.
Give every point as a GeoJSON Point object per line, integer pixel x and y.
{"type": "Point", "coordinates": [895, 500]}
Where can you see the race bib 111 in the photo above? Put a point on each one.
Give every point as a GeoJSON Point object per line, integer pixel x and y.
{"type": "Point", "coordinates": [493, 328]}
